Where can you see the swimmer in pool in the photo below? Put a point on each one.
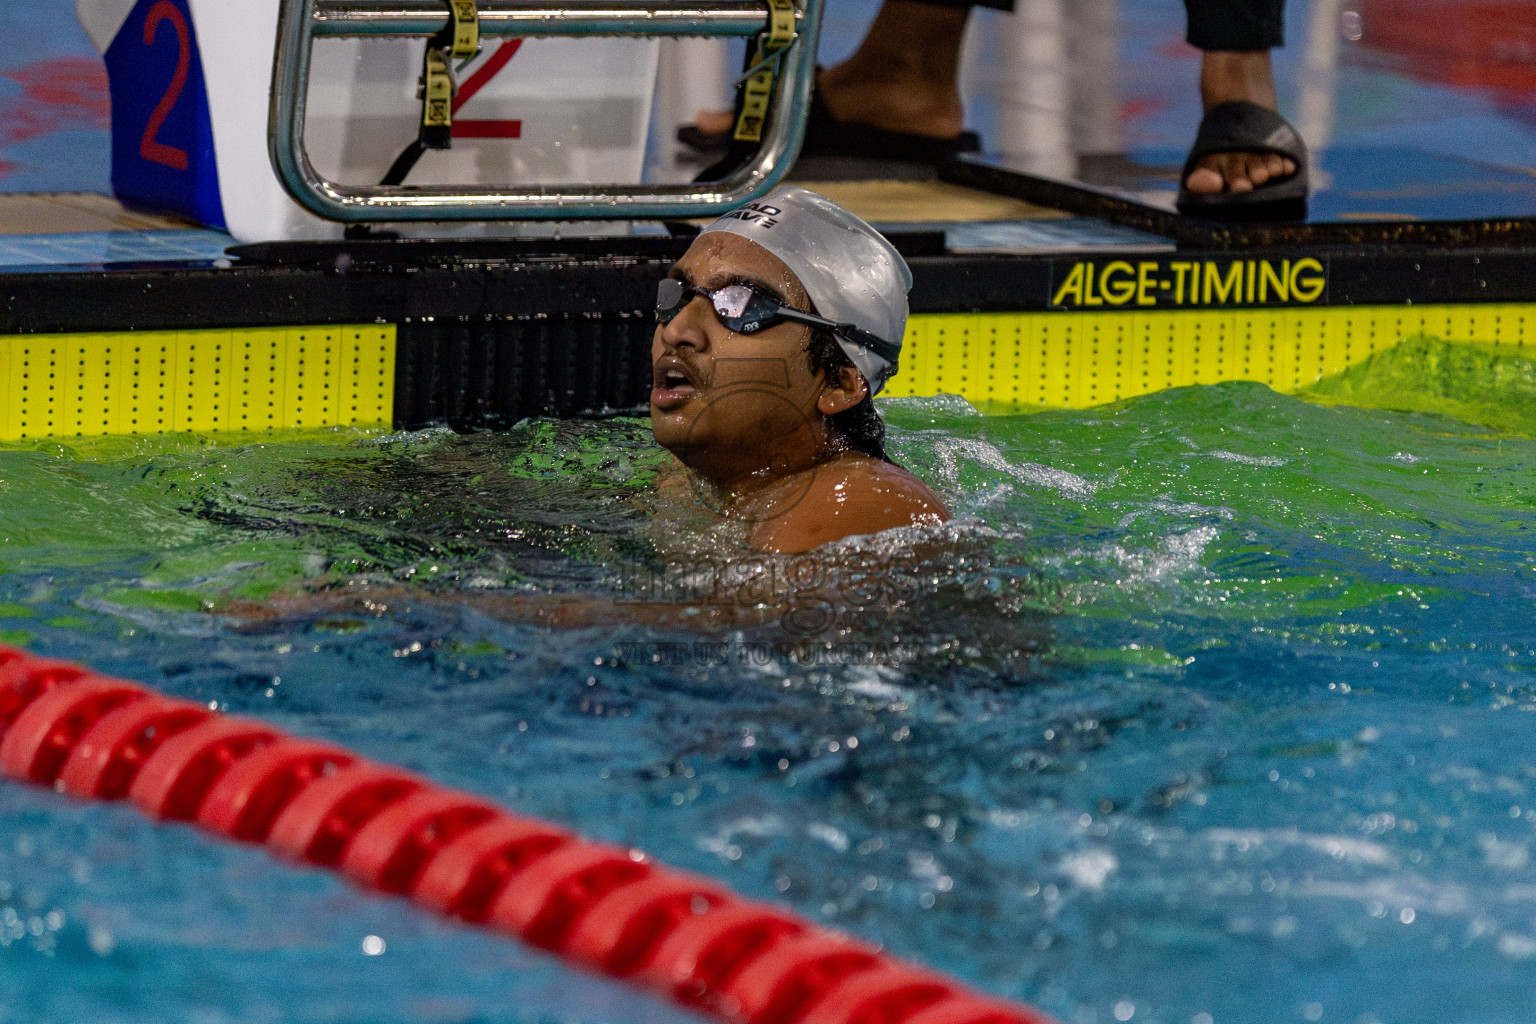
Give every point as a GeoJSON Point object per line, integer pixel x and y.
{"type": "Point", "coordinates": [774, 332]}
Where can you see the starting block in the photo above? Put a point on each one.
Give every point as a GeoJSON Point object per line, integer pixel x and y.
{"type": "Point", "coordinates": [279, 119]}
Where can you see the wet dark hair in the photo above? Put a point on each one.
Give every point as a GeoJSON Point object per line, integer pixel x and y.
{"type": "Point", "coordinates": [861, 427]}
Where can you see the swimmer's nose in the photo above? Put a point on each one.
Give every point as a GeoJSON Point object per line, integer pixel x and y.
{"type": "Point", "coordinates": [690, 326]}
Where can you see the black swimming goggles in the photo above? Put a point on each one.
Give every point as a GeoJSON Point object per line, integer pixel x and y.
{"type": "Point", "coordinates": [747, 310]}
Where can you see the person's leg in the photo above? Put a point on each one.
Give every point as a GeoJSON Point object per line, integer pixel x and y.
{"type": "Point", "coordinates": [1236, 36]}
{"type": "Point", "coordinates": [904, 77]}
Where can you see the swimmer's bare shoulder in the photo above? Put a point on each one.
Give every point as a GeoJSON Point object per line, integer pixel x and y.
{"type": "Point", "coordinates": [848, 497]}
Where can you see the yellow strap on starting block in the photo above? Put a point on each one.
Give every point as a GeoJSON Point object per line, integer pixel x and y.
{"type": "Point", "coordinates": [436, 99]}
{"type": "Point", "coordinates": [758, 88]}
{"type": "Point", "coordinates": [781, 24]}
{"type": "Point", "coordinates": [458, 40]}
{"type": "Point", "coordinates": [466, 29]}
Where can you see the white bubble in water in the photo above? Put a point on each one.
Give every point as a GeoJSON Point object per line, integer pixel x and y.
{"type": "Point", "coordinates": [1516, 946]}
{"type": "Point", "coordinates": [1125, 1010]}
{"type": "Point", "coordinates": [101, 941]}
{"type": "Point", "coordinates": [373, 945]}
{"type": "Point", "coordinates": [1250, 460]}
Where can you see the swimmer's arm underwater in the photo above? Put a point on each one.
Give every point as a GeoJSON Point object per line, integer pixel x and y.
{"type": "Point", "coordinates": [558, 611]}
{"type": "Point", "coordinates": [739, 599]}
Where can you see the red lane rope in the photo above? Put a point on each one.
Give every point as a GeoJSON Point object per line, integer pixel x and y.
{"type": "Point", "coordinates": [604, 908]}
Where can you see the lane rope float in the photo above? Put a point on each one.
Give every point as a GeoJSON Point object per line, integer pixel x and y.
{"type": "Point", "coordinates": [604, 908]}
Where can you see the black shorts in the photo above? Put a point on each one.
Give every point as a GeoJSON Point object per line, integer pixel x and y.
{"type": "Point", "coordinates": [1213, 24]}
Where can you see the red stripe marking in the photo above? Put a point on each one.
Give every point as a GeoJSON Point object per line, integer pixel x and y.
{"type": "Point", "coordinates": [487, 129]}
{"type": "Point", "coordinates": [485, 72]}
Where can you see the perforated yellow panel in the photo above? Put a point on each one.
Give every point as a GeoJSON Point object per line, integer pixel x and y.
{"type": "Point", "coordinates": [149, 382]}
{"type": "Point", "coordinates": [265, 378]}
{"type": "Point", "coordinates": [1073, 360]}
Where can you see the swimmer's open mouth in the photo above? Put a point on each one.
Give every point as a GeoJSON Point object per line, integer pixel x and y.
{"type": "Point", "coordinates": [672, 383]}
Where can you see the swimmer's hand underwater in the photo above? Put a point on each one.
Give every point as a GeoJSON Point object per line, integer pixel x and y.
{"type": "Point", "coordinates": [767, 403]}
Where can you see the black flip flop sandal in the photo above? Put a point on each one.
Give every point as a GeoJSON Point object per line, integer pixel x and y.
{"type": "Point", "coordinates": [1240, 126]}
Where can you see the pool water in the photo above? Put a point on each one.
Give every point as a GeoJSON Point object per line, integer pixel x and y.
{"type": "Point", "coordinates": [1212, 706]}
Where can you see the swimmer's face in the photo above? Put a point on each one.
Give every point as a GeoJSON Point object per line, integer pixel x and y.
{"type": "Point", "coordinates": [734, 407]}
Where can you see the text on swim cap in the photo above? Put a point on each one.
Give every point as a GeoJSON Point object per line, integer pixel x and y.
{"type": "Point", "coordinates": [756, 213]}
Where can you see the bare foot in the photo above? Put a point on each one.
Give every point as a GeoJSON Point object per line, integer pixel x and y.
{"type": "Point", "coordinates": [895, 103]}
{"type": "Point", "coordinates": [1227, 76]}
{"type": "Point", "coordinates": [713, 122]}
{"type": "Point", "coordinates": [888, 82]}
{"type": "Point", "coordinates": [854, 99]}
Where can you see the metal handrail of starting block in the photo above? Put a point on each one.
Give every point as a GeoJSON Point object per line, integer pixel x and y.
{"type": "Point", "coordinates": [301, 21]}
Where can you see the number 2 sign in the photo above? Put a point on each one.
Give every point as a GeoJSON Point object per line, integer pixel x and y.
{"type": "Point", "coordinates": [150, 148]}
{"type": "Point", "coordinates": [162, 136]}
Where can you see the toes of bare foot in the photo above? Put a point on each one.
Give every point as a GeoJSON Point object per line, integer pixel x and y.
{"type": "Point", "coordinates": [1237, 172]}
{"type": "Point", "coordinates": [1205, 180]}
{"type": "Point", "coordinates": [712, 122]}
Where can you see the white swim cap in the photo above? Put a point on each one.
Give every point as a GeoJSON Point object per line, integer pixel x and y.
{"type": "Point", "coordinates": [849, 270]}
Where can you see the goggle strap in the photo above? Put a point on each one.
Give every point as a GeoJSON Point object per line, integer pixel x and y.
{"type": "Point", "coordinates": [879, 346]}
